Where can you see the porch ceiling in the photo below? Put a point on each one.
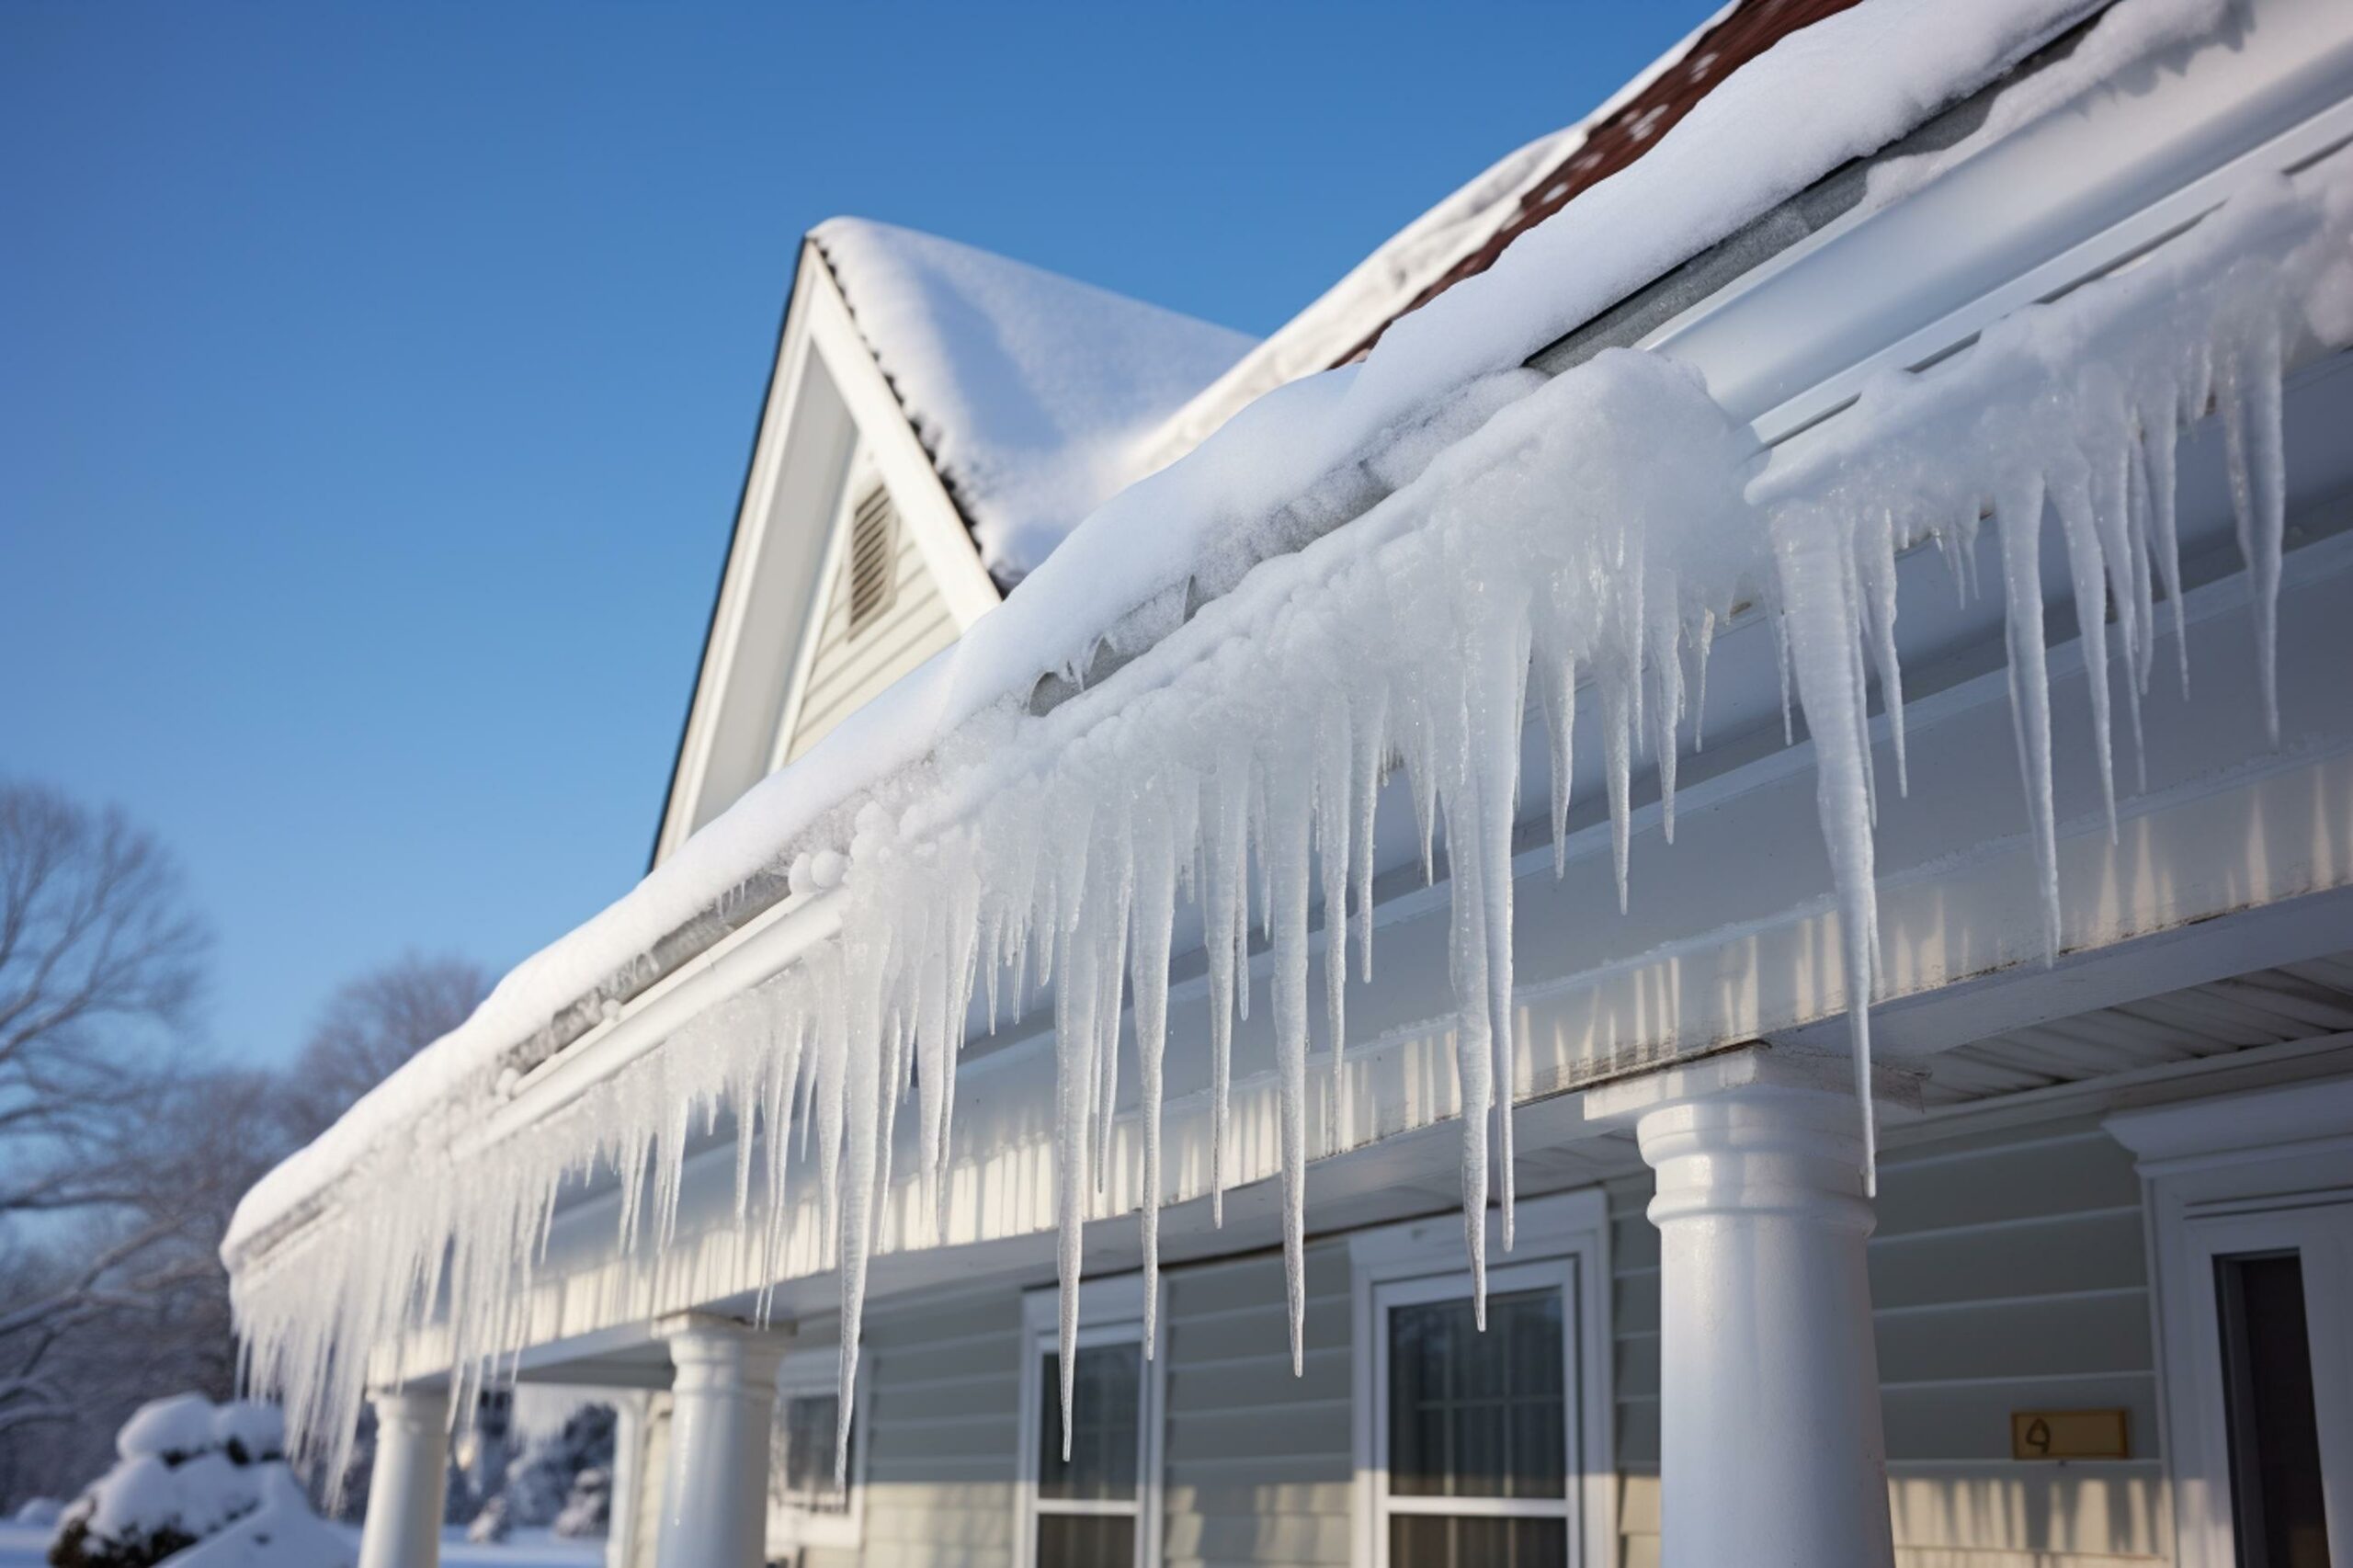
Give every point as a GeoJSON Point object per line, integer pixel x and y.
{"type": "Point", "coordinates": [2264, 1007]}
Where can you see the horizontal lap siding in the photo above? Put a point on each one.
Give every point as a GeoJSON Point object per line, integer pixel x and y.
{"type": "Point", "coordinates": [943, 1411]}
{"type": "Point", "coordinates": [846, 672]}
{"type": "Point", "coordinates": [1258, 1466]}
{"type": "Point", "coordinates": [2007, 1273]}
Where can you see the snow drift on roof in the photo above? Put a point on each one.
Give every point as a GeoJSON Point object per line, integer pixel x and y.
{"type": "Point", "coordinates": [1769, 132]}
{"type": "Point", "coordinates": [1410, 264]}
{"type": "Point", "coordinates": [1035, 394]}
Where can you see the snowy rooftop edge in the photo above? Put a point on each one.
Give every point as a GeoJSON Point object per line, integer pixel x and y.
{"type": "Point", "coordinates": [1379, 289]}
{"type": "Point", "coordinates": [1766, 134]}
{"type": "Point", "coordinates": [1037, 396]}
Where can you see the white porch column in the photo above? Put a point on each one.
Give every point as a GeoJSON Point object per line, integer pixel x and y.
{"type": "Point", "coordinates": [410, 1483]}
{"type": "Point", "coordinates": [715, 1485]}
{"type": "Point", "coordinates": [1771, 1450]}
{"type": "Point", "coordinates": [629, 1477]}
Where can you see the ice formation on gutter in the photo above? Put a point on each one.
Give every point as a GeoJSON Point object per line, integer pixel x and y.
{"type": "Point", "coordinates": [1534, 535]}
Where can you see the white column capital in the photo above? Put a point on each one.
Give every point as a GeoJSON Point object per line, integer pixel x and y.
{"type": "Point", "coordinates": [722, 1395]}
{"type": "Point", "coordinates": [1758, 1065]}
{"type": "Point", "coordinates": [411, 1406]}
{"type": "Point", "coordinates": [723, 1354]}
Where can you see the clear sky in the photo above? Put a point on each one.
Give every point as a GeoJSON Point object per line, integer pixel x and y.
{"type": "Point", "coordinates": [376, 383]}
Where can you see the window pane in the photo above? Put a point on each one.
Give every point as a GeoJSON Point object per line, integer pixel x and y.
{"type": "Point", "coordinates": [2275, 1490]}
{"type": "Point", "coordinates": [1475, 1415]}
{"type": "Point", "coordinates": [1435, 1540]}
{"type": "Point", "coordinates": [1102, 1464]}
{"type": "Point", "coordinates": [801, 1471]}
{"type": "Point", "coordinates": [1087, 1540]}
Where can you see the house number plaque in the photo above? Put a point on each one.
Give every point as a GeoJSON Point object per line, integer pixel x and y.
{"type": "Point", "coordinates": [2068, 1435]}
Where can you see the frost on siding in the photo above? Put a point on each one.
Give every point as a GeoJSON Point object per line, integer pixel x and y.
{"type": "Point", "coordinates": [1588, 537]}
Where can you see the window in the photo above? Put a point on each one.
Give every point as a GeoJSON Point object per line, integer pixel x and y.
{"type": "Point", "coordinates": [871, 569]}
{"type": "Point", "coordinates": [809, 1504]}
{"type": "Point", "coordinates": [1471, 1446]}
{"type": "Point", "coordinates": [1098, 1507]}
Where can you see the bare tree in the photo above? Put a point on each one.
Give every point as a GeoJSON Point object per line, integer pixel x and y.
{"type": "Point", "coordinates": [370, 1026]}
{"type": "Point", "coordinates": [100, 963]}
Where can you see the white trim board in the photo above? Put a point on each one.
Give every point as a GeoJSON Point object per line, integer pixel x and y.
{"type": "Point", "coordinates": [827, 398]}
{"type": "Point", "coordinates": [2239, 1173]}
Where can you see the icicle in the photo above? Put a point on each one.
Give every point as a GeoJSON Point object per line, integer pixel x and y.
{"type": "Point", "coordinates": [1825, 623]}
{"type": "Point", "coordinates": [2250, 395]}
{"type": "Point", "coordinates": [1779, 623]}
{"type": "Point", "coordinates": [1285, 855]}
{"type": "Point", "coordinates": [1371, 755]}
{"type": "Point", "coordinates": [1666, 709]}
{"type": "Point", "coordinates": [1336, 807]}
{"type": "Point", "coordinates": [1073, 1054]}
{"type": "Point", "coordinates": [1150, 933]}
{"type": "Point", "coordinates": [1561, 722]}
{"type": "Point", "coordinates": [1109, 932]}
{"type": "Point", "coordinates": [2072, 498]}
{"type": "Point", "coordinates": [1225, 877]}
{"type": "Point", "coordinates": [2157, 457]}
{"type": "Point", "coordinates": [1497, 698]}
{"type": "Point", "coordinates": [2018, 514]}
{"type": "Point", "coordinates": [1617, 751]}
{"type": "Point", "coordinates": [867, 1113]}
{"type": "Point", "coordinates": [1876, 562]}
{"type": "Point", "coordinates": [1700, 645]}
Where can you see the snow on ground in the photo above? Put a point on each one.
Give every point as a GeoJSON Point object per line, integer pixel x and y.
{"type": "Point", "coordinates": [521, 1550]}
{"type": "Point", "coordinates": [1035, 394]}
{"type": "Point", "coordinates": [24, 1546]}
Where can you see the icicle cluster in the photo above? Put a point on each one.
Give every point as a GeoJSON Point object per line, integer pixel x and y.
{"type": "Point", "coordinates": [1590, 537]}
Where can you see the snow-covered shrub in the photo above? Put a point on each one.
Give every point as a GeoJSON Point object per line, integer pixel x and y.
{"type": "Point", "coordinates": [563, 1439]}
{"type": "Point", "coordinates": [41, 1513]}
{"type": "Point", "coordinates": [589, 1510]}
{"type": "Point", "coordinates": [169, 1430]}
{"type": "Point", "coordinates": [490, 1523]}
{"type": "Point", "coordinates": [195, 1473]}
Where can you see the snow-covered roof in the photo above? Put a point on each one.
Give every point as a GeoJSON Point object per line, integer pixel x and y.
{"type": "Point", "coordinates": [914, 764]}
{"type": "Point", "coordinates": [1038, 396]}
{"type": "Point", "coordinates": [1469, 229]}
{"type": "Point", "coordinates": [1767, 133]}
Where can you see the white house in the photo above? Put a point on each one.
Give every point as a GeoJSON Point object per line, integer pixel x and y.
{"type": "Point", "coordinates": [1168, 827]}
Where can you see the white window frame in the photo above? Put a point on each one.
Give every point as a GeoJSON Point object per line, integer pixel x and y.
{"type": "Point", "coordinates": [1110, 1312]}
{"type": "Point", "coordinates": [1562, 1240]}
{"type": "Point", "coordinates": [803, 1373]}
{"type": "Point", "coordinates": [2240, 1173]}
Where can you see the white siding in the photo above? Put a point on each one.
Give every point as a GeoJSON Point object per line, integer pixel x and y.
{"type": "Point", "coordinates": [846, 672]}
{"type": "Point", "coordinates": [1258, 1466]}
{"type": "Point", "coordinates": [944, 1423]}
{"type": "Point", "coordinates": [2007, 1273]}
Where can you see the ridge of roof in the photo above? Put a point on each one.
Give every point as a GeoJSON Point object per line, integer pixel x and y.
{"type": "Point", "coordinates": [1466, 233]}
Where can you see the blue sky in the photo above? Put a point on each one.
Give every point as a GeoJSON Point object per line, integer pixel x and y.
{"type": "Point", "coordinates": [375, 385]}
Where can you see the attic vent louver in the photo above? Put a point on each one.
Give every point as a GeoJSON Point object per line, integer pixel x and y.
{"type": "Point", "coordinates": [873, 558]}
